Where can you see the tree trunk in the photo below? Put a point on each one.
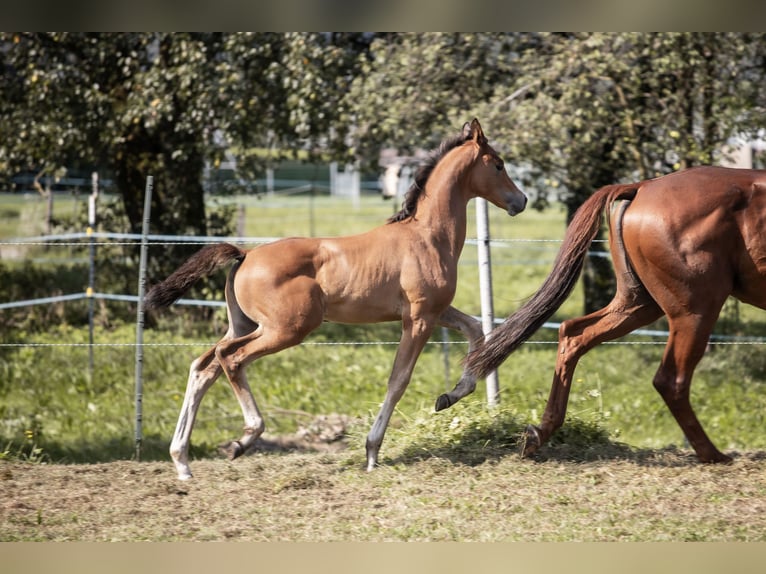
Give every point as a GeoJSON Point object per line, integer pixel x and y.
{"type": "Point", "coordinates": [178, 203]}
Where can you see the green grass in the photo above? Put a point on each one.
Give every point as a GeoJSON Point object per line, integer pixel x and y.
{"type": "Point", "coordinates": [23, 215]}
{"type": "Point", "coordinates": [49, 402]}
{"type": "Point", "coordinates": [50, 406]}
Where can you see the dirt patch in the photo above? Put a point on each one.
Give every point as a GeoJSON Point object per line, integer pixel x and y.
{"type": "Point", "coordinates": [325, 433]}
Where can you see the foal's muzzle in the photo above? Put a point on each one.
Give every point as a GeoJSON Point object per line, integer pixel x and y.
{"type": "Point", "coordinates": [517, 204]}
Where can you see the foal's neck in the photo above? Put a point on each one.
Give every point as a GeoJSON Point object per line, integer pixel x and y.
{"type": "Point", "coordinates": [442, 214]}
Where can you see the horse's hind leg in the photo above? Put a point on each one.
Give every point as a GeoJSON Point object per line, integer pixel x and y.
{"type": "Point", "coordinates": [686, 345]}
{"type": "Point", "coordinates": [577, 337]}
{"type": "Point", "coordinates": [471, 328]}
{"type": "Point", "coordinates": [254, 424]}
{"type": "Point", "coordinates": [235, 354]}
{"type": "Point", "coordinates": [203, 372]}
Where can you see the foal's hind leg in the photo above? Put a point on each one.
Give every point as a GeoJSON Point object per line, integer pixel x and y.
{"type": "Point", "coordinates": [254, 424]}
{"type": "Point", "coordinates": [471, 328]}
{"type": "Point", "coordinates": [686, 346]}
{"type": "Point", "coordinates": [577, 337]}
{"type": "Point", "coordinates": [203, 372]}
{"type": "Point", "coordinates": [234, 356]}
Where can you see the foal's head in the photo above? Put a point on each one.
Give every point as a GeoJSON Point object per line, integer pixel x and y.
{"type": "Point", "coordinates": [488, 178]}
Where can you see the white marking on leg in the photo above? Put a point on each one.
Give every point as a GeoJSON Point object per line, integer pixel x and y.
{"type": "Point", "coordinates": [202, 373]}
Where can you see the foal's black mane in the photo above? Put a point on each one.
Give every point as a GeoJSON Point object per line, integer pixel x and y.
{"type": "Point", "coordinates": [410, 203]}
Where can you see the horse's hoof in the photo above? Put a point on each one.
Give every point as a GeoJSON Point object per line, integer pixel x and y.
{"type": "Point", "coordinates": [443, 402]}
{"type": "Point", "coordinates": [718, 458]}
{"type": "Point", "coordinates": [233, 449]}
{"type": "Point", "coordinates": [184, 473]}
{"type": "Point", "coordinates": [530, 440]}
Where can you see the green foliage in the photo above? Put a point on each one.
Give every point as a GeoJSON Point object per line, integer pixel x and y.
{"type": "Point", "coordinates": [163, 104]}
{"type": "Point", "coordinates": [577, 108]}
{"type": "Point", "coordinates": [592, 109]}
{"type": "Point", "coordinates": [414, 86]}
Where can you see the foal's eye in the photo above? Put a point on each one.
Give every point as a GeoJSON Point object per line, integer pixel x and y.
{"type": "Point", "coordinates": [499, 166]}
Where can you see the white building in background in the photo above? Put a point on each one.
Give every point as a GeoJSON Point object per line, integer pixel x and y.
{"type": "Point", "coordinates": [346, 183]}
{"type": "Point", "coordinates": [744, 153]}
{"type": "Point", "coordinates": [398, 172]}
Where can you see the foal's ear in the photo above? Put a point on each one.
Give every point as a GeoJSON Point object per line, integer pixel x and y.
{"type": "Point", "coordinates": [475, 132]}
{"type": "Point", "coordinates": [467, 132]}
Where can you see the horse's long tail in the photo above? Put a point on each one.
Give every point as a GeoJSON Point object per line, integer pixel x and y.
{"type": "Point", "coordinates": [519, 326]}
{"type": "Point", "coordinates": [199, 265]}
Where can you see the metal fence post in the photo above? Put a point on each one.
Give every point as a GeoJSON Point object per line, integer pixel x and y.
{"type": "Point", "coordinates": [92, 267]}
{"type": "Point", "coordinates": [140, 315]}
{"type": "Point", "coordinates": [485, 289]}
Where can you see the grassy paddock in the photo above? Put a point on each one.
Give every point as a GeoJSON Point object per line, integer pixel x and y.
{"type": "Point", "coordinates": [442, 479]}
{"type": "Point", "coordinates": [51, 408]}
{"type": "Point", "coordinates": [617, 471]}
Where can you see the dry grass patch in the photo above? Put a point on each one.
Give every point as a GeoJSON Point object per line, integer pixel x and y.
{"type": "Point", "coordinates": [464, 488]}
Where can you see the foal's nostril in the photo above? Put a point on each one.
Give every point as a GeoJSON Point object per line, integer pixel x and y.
{"type": "Point", "coordinates": [516, 206]}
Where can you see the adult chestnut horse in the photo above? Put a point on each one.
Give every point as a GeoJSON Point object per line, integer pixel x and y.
{"type": "Point", "coordinates": [406, 271]}
{"type": "Point", "coordinates": [680, 244]}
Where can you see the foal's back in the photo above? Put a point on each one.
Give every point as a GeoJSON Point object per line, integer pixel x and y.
{"type": "Point", "coordinates": [354, 279]}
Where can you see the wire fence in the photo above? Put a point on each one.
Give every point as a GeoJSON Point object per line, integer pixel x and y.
{"type": "Point", "coordinates": [92, 240]}
{"type": "Point", "coordinates": [105, 239]}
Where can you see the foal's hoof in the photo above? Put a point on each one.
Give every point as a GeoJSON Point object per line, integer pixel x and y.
{"type": "Point", "coordinates": [530, 440]}
{"type": "Point", "coordinates": [443, 402]}
{"type": "Point", "coordinates": [232, 450]}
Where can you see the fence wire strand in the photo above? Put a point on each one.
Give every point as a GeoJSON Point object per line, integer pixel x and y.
{"type": "Point", "coordinates": [128, 239]}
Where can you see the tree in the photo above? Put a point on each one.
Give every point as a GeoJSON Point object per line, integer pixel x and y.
{"type": "Point", "coordinates": [578, 110]}
{"type": "Point", "coordinates": [165, 104]}
{"type": "Point", "coordinates": [413, 86]}
{"type": "Point", "coordinates": [587, 110]}
{"type": "Point", "coordinates": [290, 94]}
{"type": "Point", "coordinates": [128, 102]}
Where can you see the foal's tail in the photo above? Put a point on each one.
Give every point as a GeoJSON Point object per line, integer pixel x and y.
{"type": "Point", "coordinates": [519, 326]}
{"type": "Point", "coordinates": [199, 265]}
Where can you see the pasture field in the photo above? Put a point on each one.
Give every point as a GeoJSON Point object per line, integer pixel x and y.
{"type": "Point", "coordinates": [618, 470]}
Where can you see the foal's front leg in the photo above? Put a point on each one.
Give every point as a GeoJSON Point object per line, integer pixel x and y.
{"type": "Point", "coordinates": [471, 328]}
{"type": "Point", "coordinates": [415, 334]}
